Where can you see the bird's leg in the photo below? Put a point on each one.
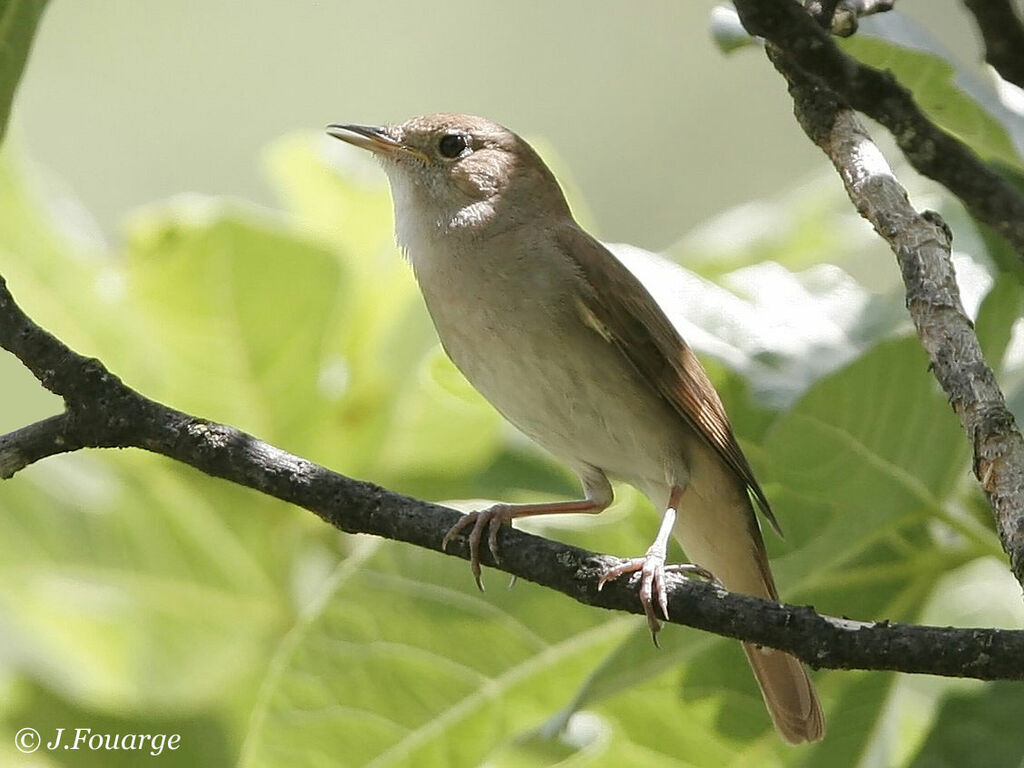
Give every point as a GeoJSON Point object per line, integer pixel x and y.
{"type": "Point", "coordinates": [492, 518]}
{"type": "Point", "coordinates": [598, 495]}
{"type": "Point", "coordinates": [652, 568]}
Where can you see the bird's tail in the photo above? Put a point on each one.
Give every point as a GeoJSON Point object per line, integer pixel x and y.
{"type": "Point", "coordinates": [788, 694]}
{"type": "Point", "coordinates": [728, 543]}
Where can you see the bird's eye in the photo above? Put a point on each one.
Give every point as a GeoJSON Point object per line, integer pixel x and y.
{"type": "Point", "coordinates": [452, 145]}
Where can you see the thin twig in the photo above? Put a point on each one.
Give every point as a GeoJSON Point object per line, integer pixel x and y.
{"type": "Point", "coordinates": [103, 412]}
{"type": "Point", "coordinates": [29, 444]}
{"type": "Point", "coordinates": [932, 151]}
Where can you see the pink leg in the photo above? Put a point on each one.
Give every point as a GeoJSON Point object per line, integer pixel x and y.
{"type": "Point", "coordinates": [652, 568]}
{"type": "Point", "coordinates": [492, 518]}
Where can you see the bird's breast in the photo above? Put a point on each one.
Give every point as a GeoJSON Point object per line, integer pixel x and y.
{"type": "Point", "coordinates": [510, 319]}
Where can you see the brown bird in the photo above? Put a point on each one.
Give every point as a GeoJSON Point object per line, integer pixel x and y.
{"type": "Point", "coordinates": [570, 347]}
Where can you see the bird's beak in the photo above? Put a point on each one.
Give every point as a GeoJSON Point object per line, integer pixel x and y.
{"type": "Point", "coordinates": [371, 137]}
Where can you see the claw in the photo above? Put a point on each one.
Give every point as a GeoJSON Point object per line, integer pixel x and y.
{"type": "Point", "coordinates": [456, 529]}
{"type": "Point", "coordinates": [474, 549]}
{"type": "Point", "coordinates": [659, 590]}
{"type": "Point", "coordinates": [652, 570]}
{"type": "Point", "coordinates": [492, 536]}
{"type": "Point", "coordinates": [491, 520]}
{"type": "Point", "coordinates": [688, 569]}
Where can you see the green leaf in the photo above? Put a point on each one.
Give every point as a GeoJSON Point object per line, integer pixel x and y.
{"type": "Point", "coordinates": [854, 720]}
{"type": "Point", "coordinates": [239, 309]}
{"type": "Point", "coordinates": [952, 98]}
{"type": "Point", "coordinates": [441, 403]}
{"type": "Point", "coordinates": [982, 242]}
{"type": "Point", "coordinates": [794, 229]}
{"type": "Point", "coordinates": [18, 22]}
{"type": "Point", "coordinates": [781, 330]}
{"type": "Point", "coordinates": [654, 721]}
{"type": "Point", "coordinates": [865, 461]}
{"type": "Point", "coordinates": [879, 435]}
{"type": "Point", "coordinates": [56, 281]}
{"type": "Point", "coordinates": [1000, 309]}
{"type": "Point", "coordinates": [202, 739]}
{"type": "Point", "coordinates": [115, 568]}
{"type": "Point", "coordinates": [405, 663]}
{"type": "Point", "coordinates": [981, 724]}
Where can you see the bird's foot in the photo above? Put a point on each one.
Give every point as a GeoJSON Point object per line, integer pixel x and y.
{"type": "Point", "coordinates": [490, 520]}
{"type": "Point", "coordinates": [652, 570]}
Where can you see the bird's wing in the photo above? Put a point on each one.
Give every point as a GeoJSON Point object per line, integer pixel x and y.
{"type": "Point", "coordinates": [620, 309]}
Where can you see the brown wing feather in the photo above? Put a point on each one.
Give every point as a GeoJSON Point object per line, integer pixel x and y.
{"type": "Point", "coordinates": [626, 314]}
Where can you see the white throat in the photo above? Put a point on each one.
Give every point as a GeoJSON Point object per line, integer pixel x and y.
{"type": "Point", "coordinates": [420, 222]}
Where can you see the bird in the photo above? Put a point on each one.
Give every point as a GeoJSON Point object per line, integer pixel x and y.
{"type": "Point", "coordinates": [566, 343]}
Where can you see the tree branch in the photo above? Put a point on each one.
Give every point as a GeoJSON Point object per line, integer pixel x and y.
{"type": "Point", "coordinates": [933, 152]}
{"type": "Point", "coordinates": [103, 412]}
{"type": "Point", "coordinates": [921, 243]}
{"type": "Point", "coordinates": [1003, 34]}
{"type": "Point", "coordinates": [29, 444]}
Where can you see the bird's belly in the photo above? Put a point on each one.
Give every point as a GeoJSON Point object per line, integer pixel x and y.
{"type": "Point", "coordinates": [570, 391]}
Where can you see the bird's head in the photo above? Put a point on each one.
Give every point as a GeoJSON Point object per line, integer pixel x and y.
{"type": "Point", "coordinates": [458, 175]}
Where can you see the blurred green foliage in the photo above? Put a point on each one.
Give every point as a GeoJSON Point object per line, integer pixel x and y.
{"type": "Point", "coordinates": [139, 596]}
{"type": "Point", "coordinates": [18, 21]}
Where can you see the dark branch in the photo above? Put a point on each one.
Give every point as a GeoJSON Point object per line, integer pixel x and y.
{"type": "Point", "coordinates": [1003, 33]}
{"type": "Point", "coordinates": [921, 243]}
{"type": "Point", "coordinates": [932, 151]}
{"type": "Point", "coordinates": [29, 444]}
{"type": "Point", "coordinates": [103, 412]}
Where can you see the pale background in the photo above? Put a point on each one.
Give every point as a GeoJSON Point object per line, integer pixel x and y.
{"type": "Point", "coordinates": [131, 101]}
